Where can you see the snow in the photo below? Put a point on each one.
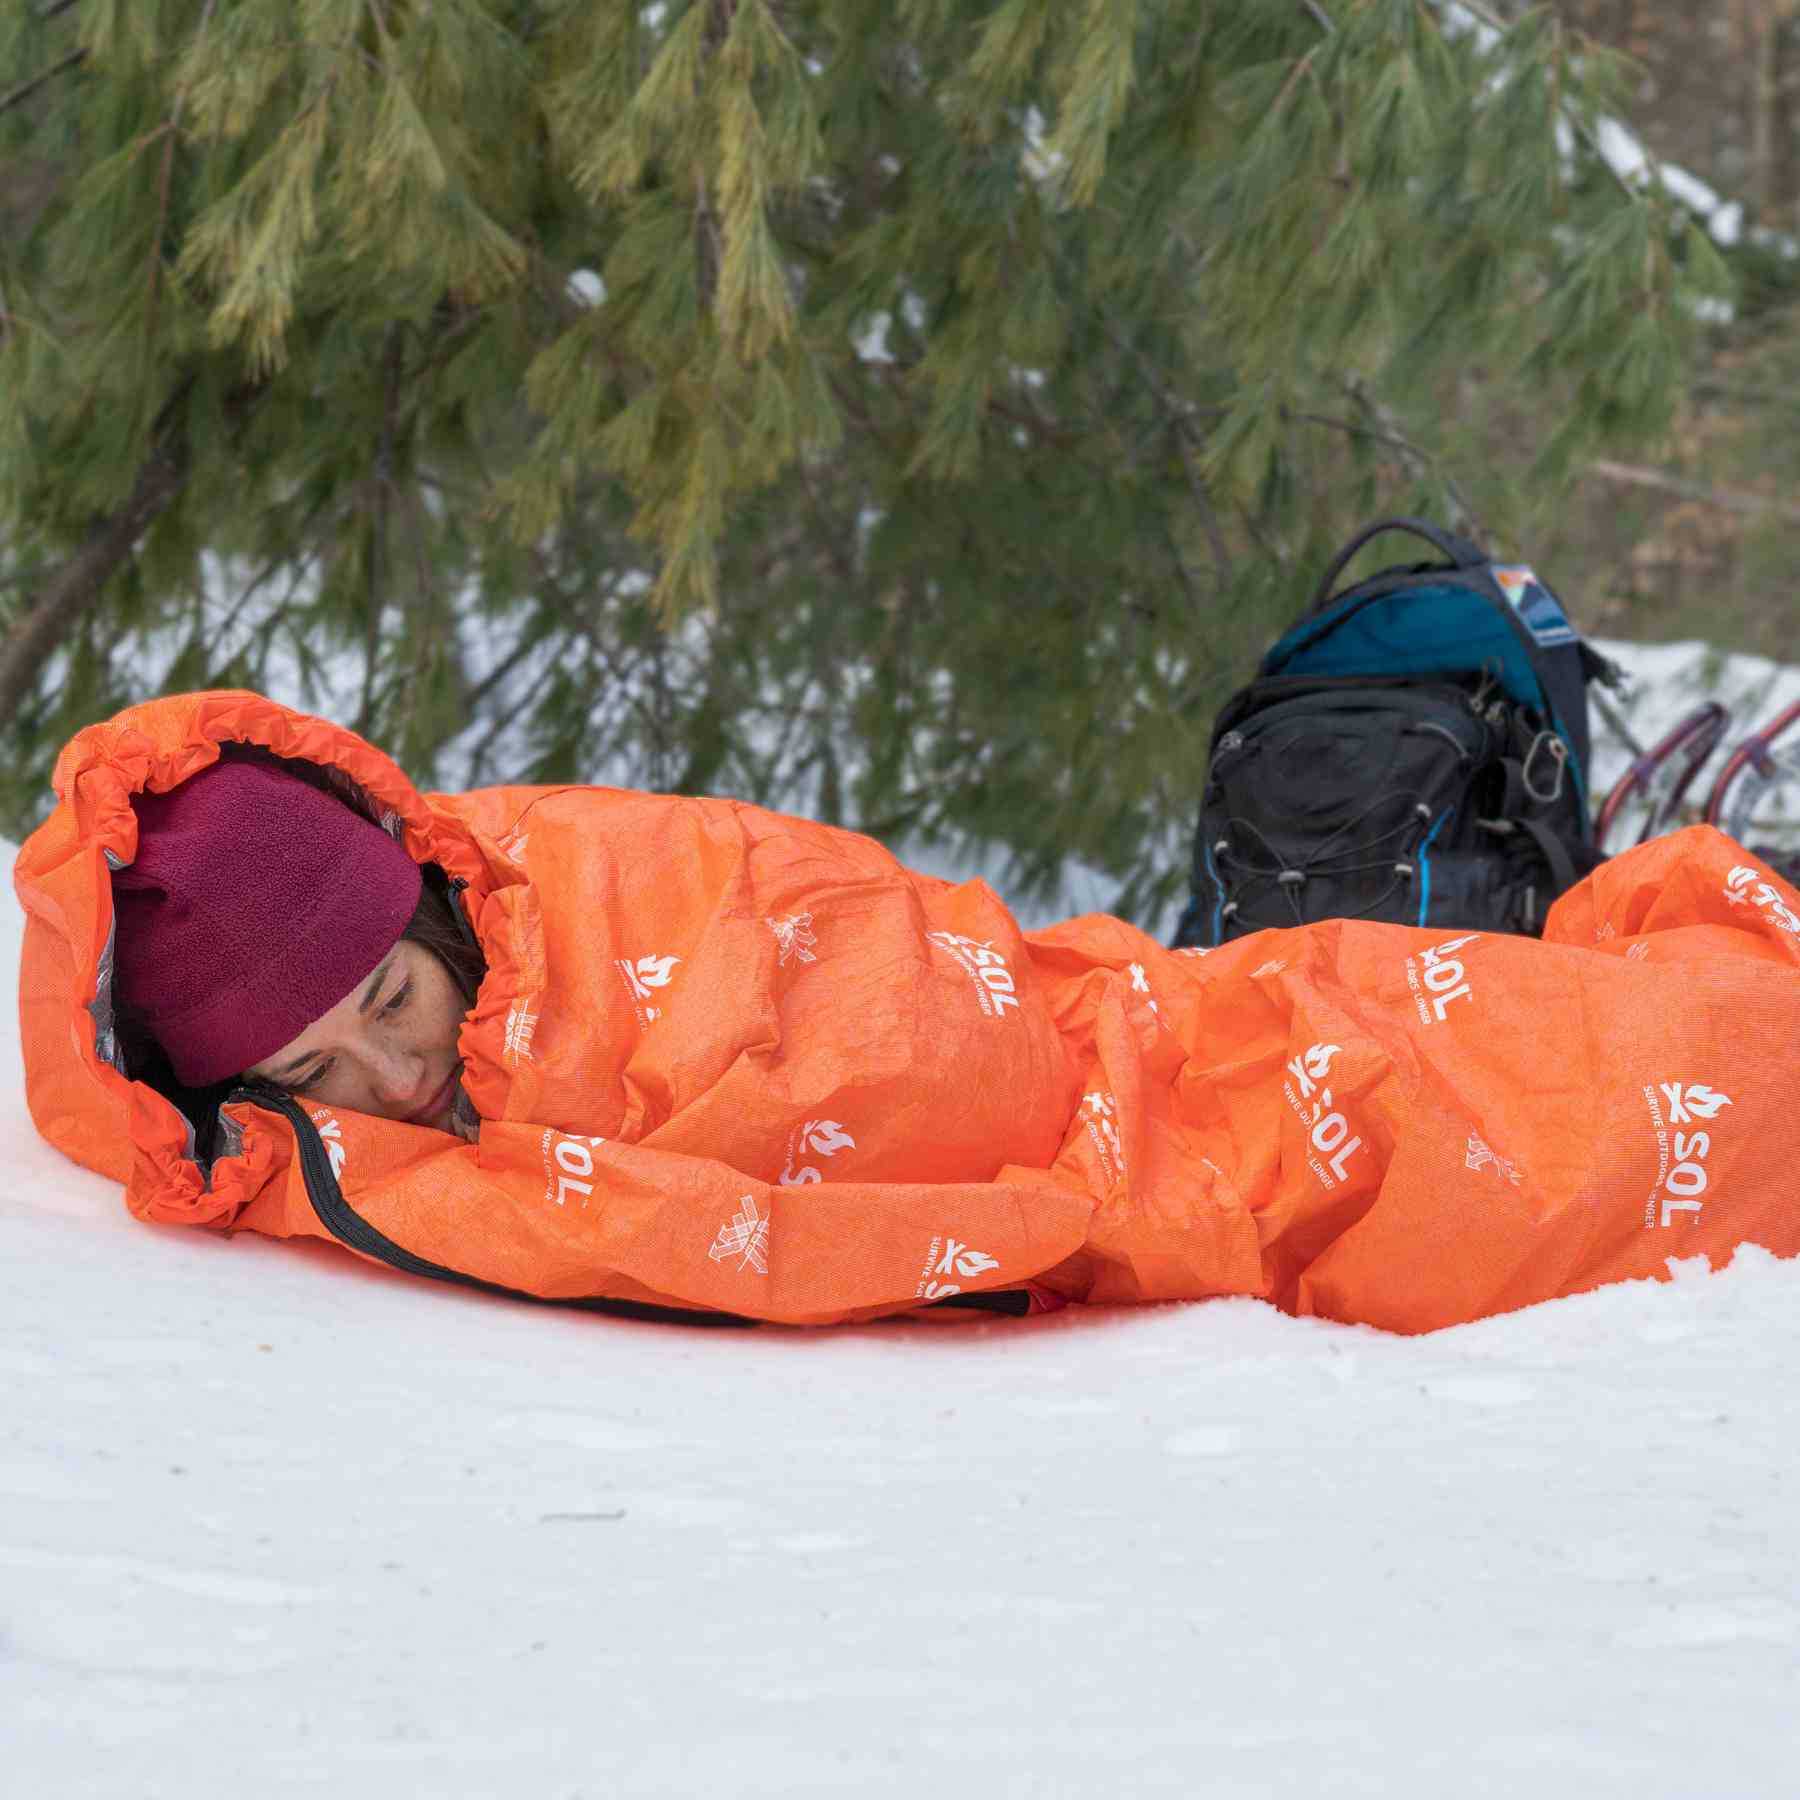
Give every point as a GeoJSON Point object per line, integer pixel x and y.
{"type": "Point", "coordinates": [1623, 152]}
{"type": "Point", "coordinates": [275, 1522]}
{"type": "Point", "coordinates": [587, 287]}
{"type": "Point", "coordinates": [1666, 681]}
{"type": "Point", "coordinates": [870, 338]}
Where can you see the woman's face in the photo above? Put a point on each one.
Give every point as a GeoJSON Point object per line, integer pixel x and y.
{"type": "Point", "coordinates": [387, 1048]}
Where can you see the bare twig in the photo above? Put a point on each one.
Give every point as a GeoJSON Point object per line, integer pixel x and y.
{"type": "Point", "coordinates": [478, 694]}
{"type": "Point", "coordinates": [1181, 415]}
{"type": "Point", "coordinates": [1734, 500]}
{"type": "Point", "coordinates": [376, 570]}
{"type": "Point", "coordinates": [1385, 428]}
{"type": "Point", "coordinates": [69, 594]}
{"type": "Point", "coordinates": [31, 84]}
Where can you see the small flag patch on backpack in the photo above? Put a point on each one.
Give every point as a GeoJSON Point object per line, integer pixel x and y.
{"type": "Point", "coordinates": [1540, 609]}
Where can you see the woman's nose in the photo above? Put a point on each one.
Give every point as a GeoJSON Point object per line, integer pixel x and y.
{"type": "Point", "coordinates": [399, 1079]}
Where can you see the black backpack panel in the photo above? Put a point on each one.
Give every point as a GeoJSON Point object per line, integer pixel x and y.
{"type": "Point", "coordinates": [1413, 749]}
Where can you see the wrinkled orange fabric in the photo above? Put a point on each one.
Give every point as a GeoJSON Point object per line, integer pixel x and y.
{"type": "Point", "coordinates": [734, 1061]}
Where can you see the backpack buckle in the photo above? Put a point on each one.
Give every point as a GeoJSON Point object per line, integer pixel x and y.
{"type": "Point", "coordinates": [1547, 743]}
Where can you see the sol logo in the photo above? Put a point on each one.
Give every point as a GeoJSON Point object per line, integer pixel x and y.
{"type": "Point", "coordinates": [746, 1238]}
{"type": "Point", "coordinates": [1693, 1101]}
{"type": "Point", "coordinates": [1100, 1114]}
{"type": "Point", "coordinates": [1328, 1131]}
{"type": "Point", "coordinates": [1746, 887]}
{"type": "Point", "coordinates": [994, 987]}
{"type": "Point", "coordinates": [1681, 1168]}
{"type": "Point", "coordinates": [332, 1134]}
{"type": "Point", "coordinates": [520, 1024]}
{"type": "Point", "coordinates": [949, 1256]}
{"type": "Point", "coordinates": [823, 1137]}
{"type": "Point", "coordinates": [1140, 984]}
{"type": "Point", "coordinates": [1312, 1067]}
{"type": "Point", "coordinates": [641, 978]}
{"type": "Point", "coordinates": [794, 937]}
{"type": "Point", "coordinates": [1481, 1155]}
{"type": "Point", "coordinates": [568, 1166]}
{"type": "Point", "coordinates": [1441, 976]}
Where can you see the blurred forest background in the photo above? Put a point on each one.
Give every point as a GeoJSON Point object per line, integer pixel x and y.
{"type": "Point", "coordinates": [918, 413]}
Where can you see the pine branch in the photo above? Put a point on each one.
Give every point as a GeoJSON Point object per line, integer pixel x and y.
{"type": "Point", "coordinates": [26, 88]}
{"type": "Point", "coordinates": [1384, 428]}
{"type": "Point", "coordinates": [252, 588]}
{"type": "Point", "coordinates": [506, 718]}
{"type": "Point", "coordinates": [71, 593]}
{"type": "Point", "coordinates": [478, 694]}
{"type": "Point", "coordinates": [1495, 23]}
{"type": "Point", "coordinates": [164, 186]}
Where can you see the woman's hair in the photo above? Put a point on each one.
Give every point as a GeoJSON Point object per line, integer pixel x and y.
{"type": "Point", "coordinates": [438, 925]}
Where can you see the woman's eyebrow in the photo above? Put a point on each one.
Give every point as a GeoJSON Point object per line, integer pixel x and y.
{"type": "Point", "coordinates": [375, 981]}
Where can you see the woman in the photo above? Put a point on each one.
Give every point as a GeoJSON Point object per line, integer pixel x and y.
{"type": "Point", "coordinates": [727, 1062]}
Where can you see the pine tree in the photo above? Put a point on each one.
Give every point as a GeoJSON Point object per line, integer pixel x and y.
{"type": "Point", "coordinates": [911, 411]}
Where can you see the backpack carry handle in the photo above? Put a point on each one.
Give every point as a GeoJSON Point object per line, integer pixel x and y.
{"type": "Point", "coordinates": [1462, 553]}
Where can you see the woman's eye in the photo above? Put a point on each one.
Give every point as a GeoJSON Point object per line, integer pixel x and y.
{"type": "Point", "coordinates": [308, 1081]}
{"type": "Point", "coordinates": [400, 998]}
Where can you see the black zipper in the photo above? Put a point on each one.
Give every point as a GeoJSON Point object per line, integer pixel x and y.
{"type": "Point", "coordinates": [347, 1225]}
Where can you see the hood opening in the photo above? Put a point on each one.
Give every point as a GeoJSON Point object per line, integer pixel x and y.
{"type": "Point", "coordinates": [210, 1134]}
{"type": "Point", "coordinates": [124, 1042]}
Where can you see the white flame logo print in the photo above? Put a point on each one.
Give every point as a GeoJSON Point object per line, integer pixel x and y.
{"type": "Point", "coordinates": [1695, 1100]}
{"type": "Point", "coordinates": [653, 972]}
{"type": "Point", "coordinates": [641, 976]}
{"type": "Point", "coordinates": [959, 1259]}
{"type": "Point", "coordinates": [331, 1133]}
{"type": "Point", "coordinates": [826, 1136]}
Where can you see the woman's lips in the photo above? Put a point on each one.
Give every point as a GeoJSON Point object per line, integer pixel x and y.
{"type": "Point", "coordinates": [438, 1107]}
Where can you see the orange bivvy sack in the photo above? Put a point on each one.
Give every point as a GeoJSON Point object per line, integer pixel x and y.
{"type": "Point", "coordinates": [733, 1063]}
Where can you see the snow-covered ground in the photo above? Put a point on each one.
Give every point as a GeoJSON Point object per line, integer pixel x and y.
{"type": "Point", "coordinates": [274, 1523]}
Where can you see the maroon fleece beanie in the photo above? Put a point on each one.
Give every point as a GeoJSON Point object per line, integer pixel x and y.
{"type": "Point", "coordinates": [256, 903]}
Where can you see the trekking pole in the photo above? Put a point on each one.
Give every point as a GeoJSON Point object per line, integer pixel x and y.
{"type": "Point", "coordinates": [1663, 785]}
{"type": "Point", "coordinates": [1750, 772]}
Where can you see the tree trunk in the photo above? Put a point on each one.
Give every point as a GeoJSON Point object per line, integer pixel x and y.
{"type": "Point", "coordinates": [68, 595]}
{"type": "Point", "coordinates": [1765, 98]}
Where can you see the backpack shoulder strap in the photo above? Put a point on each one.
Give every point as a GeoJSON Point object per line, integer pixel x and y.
{"type": "Point", "coordinates": [1461, 553]}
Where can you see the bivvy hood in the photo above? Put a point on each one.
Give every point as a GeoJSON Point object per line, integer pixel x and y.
{"type": "Point", "coordinates": [735, 1064]}
{"type": "Point", "coordinates": [79, 1090]}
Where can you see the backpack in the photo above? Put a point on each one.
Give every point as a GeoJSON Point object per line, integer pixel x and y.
{"type": "Point", "coordinates": [1413, 749]}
